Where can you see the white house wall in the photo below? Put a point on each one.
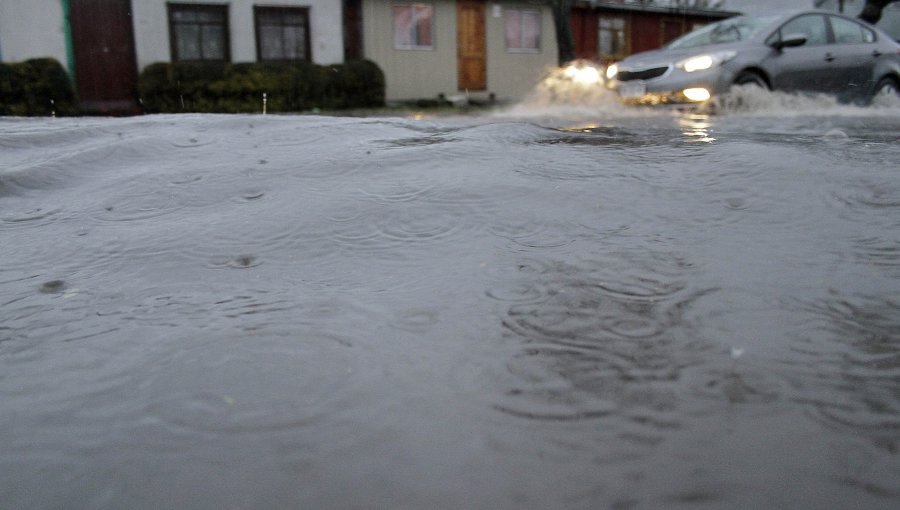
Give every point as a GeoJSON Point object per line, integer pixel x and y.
{"type": "Point", "coordinates": [151, 30]}
{"type": "Point", "coordinates": [418, 74]}
{"type": "Point", "coordinates": [412, 74]}
{"type": "Point", "coordinates": [36, 28]}
{"type": "Point", "coordinates": [514, 75]}
{"type": "Point", "coordinates": [32, 29]}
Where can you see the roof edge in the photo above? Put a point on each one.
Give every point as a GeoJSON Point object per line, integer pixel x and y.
{"type": "Point", "coordinates": [658, 9]}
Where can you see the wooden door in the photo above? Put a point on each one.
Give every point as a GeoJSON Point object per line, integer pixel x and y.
{"type": "Point", "coordinates": [105, 64]}
{"type": "Point", "coordinates": [353, 49]}
{"type": "Point", "coordinates": [471, 46]}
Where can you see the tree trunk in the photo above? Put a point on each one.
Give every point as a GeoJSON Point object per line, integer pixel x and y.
{"type": "Point", "coordinates": [562, 19]}
{"type": "Point", "coordinates": [873, 9]}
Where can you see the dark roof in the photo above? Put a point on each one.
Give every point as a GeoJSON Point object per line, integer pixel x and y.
{"type": "Point", "coordinates": [613, 5]}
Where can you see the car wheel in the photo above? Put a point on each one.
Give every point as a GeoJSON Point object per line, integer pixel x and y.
{"type": "Point", "coordinates": [751, 78]}
{"type": "Point", "coordinates": [887, 88]}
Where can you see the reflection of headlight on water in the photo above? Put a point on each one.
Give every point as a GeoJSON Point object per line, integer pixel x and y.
{"type": "Point", "coordinates": [696, 94]}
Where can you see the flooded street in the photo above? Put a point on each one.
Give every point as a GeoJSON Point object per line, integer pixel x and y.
{"type": "Point", "coordinates": [532, 309]}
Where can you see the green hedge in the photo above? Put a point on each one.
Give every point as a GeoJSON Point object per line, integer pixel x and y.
{"type": "Point", "coordinates": [27, 88]}
{"type": "Point", "coordinates": [238, 88]}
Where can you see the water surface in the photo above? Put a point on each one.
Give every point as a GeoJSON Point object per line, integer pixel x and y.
{"type": "Point", "coordinates": [574, 309]}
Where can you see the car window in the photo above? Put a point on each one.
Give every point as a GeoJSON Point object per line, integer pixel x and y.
{"type": "Point", "coordinates": [810, 25]}
{"type": "Point", "coordinates": [730, 30]}
{"type": "Point", "coordinates": [850, 32]}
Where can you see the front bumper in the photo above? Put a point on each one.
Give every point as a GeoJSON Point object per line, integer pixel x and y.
{"type": "Point", "coordinates": [670, 87]}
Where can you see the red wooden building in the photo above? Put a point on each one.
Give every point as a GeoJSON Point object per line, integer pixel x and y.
{"type": "Point", "coordinates": [607, 31]}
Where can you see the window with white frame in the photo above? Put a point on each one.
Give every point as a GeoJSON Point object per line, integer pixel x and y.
{"type": "Point", "coordinates": [613, 38]}
{"type": "Point", "coordinates": [523, 30]}
{"type": "Point", "coordinates": [199, 32]}
{"type": "Point", "coordinates": [413, 26]}
{"type": "Point", "coordinates": [282, 33]}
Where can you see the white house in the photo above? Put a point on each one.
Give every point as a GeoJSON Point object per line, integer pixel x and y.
{"type": "Point", "coordinates": [105, 43]}
{"type": "Point", "coordinates": [459, 47]}
{"type": "Point", "coordinates": [426, 48]}
{"type": "Point", "coordinates": [242, 30]}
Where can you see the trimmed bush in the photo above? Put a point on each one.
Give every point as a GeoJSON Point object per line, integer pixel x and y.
{"type": "Point", "coordinates": [27, 88]}
{"type": "Point", "coordinates": [238, 88]}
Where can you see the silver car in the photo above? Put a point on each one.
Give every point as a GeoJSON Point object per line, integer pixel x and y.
{"type": "Point", "coordinates": [810, 51]}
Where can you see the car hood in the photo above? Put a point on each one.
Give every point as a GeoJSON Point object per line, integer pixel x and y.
{"type": "Point", "coordinates": [668, 56]}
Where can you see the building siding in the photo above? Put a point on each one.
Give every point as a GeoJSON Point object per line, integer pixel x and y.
{"type": "Point", "coordinates": [514, 75]}
{"type": "Point", "coordinates": [32, 29]}
{"type": "Point", "coordinates": [36, 28]}
{"type": "Point", "coordinates": [418, 74]}
{"type": "Point", "coordinates": [412, 74]}
{"type": "Point", "coordinates": [647, 29]}
{"type": "Point", "coordinates": [151, 31]}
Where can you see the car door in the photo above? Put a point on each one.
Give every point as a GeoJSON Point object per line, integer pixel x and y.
{"type": "Point", "coordinates": [855, 53]}
{"type": "Point", "coordinates": [809, 67]}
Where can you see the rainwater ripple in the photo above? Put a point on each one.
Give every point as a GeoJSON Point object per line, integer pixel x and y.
{"type": "Point", "coordinates": [857, 337]}
{"type": "Point", "coordinates": [579, 308]}
{"type": "Point", "coordinates": [601, 336]}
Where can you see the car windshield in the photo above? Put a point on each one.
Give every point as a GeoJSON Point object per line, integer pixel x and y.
{"type": "Point", "coordinates": [730, 30]}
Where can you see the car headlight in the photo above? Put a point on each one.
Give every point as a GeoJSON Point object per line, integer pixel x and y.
{"type": "Point", "coordinates": [612, 71]}
{"type": "Point", "coordinates": [583, 73]}
{"type": "Point", "coordinates": [707, 61]}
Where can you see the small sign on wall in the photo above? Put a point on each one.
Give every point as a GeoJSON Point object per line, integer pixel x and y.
{"type": "Point", "coordinates": [496, 11]}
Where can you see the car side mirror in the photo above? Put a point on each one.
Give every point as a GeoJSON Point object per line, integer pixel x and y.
{"type": "Point", "coordinates": [790, 41]}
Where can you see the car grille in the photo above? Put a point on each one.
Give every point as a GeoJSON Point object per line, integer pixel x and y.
{"type": "Point", "coordinates": [642, 74]}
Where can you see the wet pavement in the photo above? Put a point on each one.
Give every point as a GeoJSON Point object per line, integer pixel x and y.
{"type": "Point", "coordinates": [530, 309]}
